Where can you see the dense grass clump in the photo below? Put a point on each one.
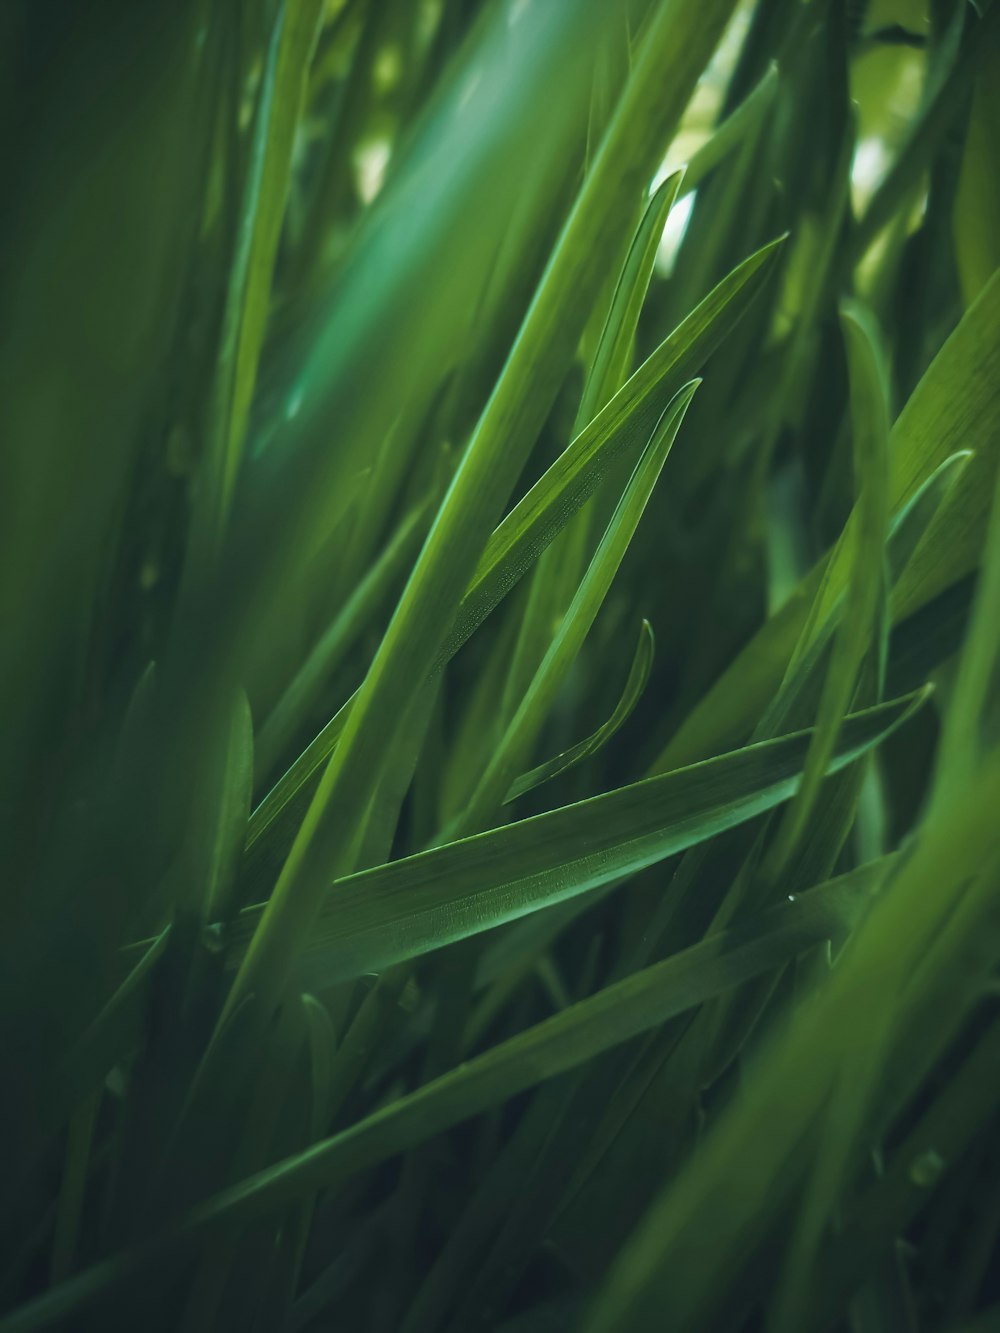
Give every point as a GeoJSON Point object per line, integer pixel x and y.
{"type": "Point", "coordinates": [500, 592]}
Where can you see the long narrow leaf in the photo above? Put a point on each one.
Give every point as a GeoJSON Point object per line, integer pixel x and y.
{"type": "Point", "coordinates": [400, 910]}
{"type": "Point", "coordinates": [638, 674]}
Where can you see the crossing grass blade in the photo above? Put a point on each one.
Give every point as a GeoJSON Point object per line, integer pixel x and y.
{"type": "Point", "coordinates": [393, 912]}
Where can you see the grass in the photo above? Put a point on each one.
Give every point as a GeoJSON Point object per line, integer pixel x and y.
{"type": "Point", "coordinates": [499, 569]}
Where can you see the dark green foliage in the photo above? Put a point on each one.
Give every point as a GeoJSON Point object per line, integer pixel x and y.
{"type": "Point", "coordinates": [392, 941]}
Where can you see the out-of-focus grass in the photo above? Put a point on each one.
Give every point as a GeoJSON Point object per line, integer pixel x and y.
{"type": "Point", "coordinates": [499, 665]}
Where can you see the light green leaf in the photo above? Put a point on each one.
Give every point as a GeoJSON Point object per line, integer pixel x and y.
{"type": "Point", "coordinates": [557, 572]}
{"type": "Point", "coordinates": [610, 367]}
{"type": "Point", "coordinates": [386, 915]}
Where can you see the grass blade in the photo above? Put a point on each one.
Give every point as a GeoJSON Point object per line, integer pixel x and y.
{"type": "Point", "coordinates": [638, 675]}
{"type": "Point", "coordinates": [870, 423]}
{"type": "Point", "coordinates": [609, 370]}
{"type": "Point", "coordinates": [515, 745]}
{"type": "Point", "coordinates": [288, 713]}
{"type": "Point", "coordinates": [400, 910]}
{"type": "Point", "coordinates": [280, 107]}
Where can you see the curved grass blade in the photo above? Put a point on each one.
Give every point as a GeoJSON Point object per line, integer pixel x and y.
{"type": "Point", "coordinates": [638, 675]}
{"type": "Point", "coordinates": [914, 518]}
{"type": "Point", "coordinates": [534, 708]}
{"type": "Point", "coordinates": [379, 917]}
{"type": "Point", "coordinates": [322, 1042]}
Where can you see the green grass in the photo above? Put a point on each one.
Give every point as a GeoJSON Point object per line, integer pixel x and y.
{"type": "Point", "coordinates": [498, 577]}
